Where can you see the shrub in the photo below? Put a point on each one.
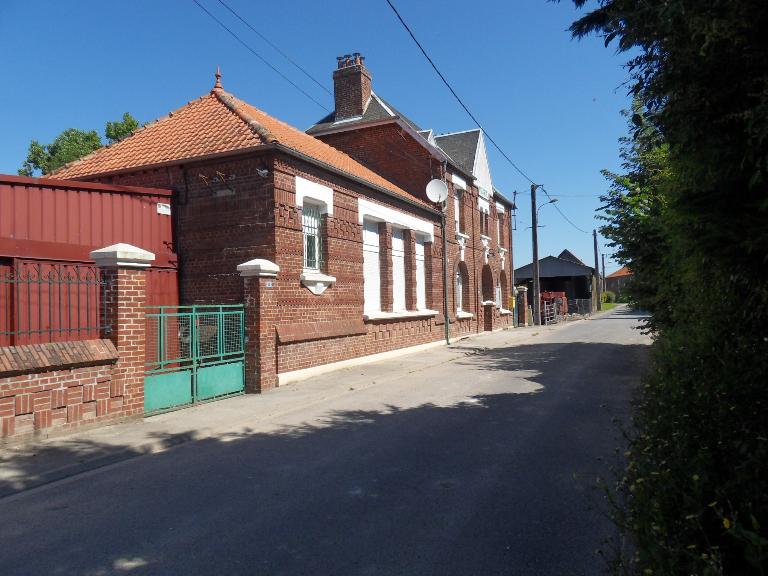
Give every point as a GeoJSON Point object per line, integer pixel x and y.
{"type": "Point", "coordinates": [608, 296]}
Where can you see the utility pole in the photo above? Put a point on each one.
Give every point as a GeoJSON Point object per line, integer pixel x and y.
{"type": "Point", "coordinates": [443, 210]}
{"type": "Point", "coordinates": [535, 241]}
{"type": "Point", "coordinates": [603, 280]}
{"type": "Point", "coordinates": [598, 285]}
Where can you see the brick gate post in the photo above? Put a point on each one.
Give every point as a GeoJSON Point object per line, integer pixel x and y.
{"type": "Point", "coordinates": [123, 269]}
{"type": "Point", "coordinates": [261, 317]}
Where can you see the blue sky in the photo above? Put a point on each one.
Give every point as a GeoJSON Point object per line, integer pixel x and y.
{"type": "Point", "coordinates": [551, 102]}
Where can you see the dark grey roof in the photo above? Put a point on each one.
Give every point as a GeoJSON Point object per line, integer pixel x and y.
{"type": "Point", "coordinates": [461, 147]}
{"type": "Point", "coordinates": [553, 267]}
{"type": "Point", "coordinates": [376, 110]}
{"type": "Point", "coordinates": [570, 256]}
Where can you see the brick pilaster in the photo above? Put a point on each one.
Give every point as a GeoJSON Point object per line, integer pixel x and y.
{"type": "Point", "coordinates": [429, 281]}
{"type": "Point", "coordinates": [409, 248]}
{"type": "Point", "coordinates": [123, 269]}
{"type": "Point", "coordinates": [261, 319]}
{"type": "Point", "coordinates": [385, 260]}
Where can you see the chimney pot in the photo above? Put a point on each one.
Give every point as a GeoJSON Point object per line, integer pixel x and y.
{"type": "Point", "coordinates": [339, 60]}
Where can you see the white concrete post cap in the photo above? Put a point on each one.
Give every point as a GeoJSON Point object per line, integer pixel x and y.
{"type": "Point", "coordinates": [124, 255]}
{"type": "Point", "coordinates": [258, 267]}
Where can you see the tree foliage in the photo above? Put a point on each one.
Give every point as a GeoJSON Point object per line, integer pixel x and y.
{"type": "Point", "coordinates": [116, 131]}
{"type": "Point", "coordinates": [72, 144]}
{"type": "Point", "coordinates": [689, 215]}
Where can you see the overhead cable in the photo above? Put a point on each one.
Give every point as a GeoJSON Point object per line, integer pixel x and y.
{"type": "Point", "coordinates": [276, 48]}
{"type": "Point", "coordinates": [472, 116]}
{"type": "Point", "coordinates": [259, 56]}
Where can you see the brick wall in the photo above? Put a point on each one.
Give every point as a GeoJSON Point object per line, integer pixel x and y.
{"type": "Point", "coordinates": [219, 228]}
{"type": "Point", "coordinates": [392, 152]}
{"type": "Point", "coordinates": [54, 388]}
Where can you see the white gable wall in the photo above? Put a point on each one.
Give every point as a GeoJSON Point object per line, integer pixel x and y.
{"type": "Point", "coordinates": [482, 170]}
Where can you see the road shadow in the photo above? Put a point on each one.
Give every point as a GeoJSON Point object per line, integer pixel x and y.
{"type": "Point", "coordinates": [496, 484]}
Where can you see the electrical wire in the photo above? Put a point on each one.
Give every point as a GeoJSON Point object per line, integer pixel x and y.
{"type": "Point", "coordinates": [472, 116]}
{"type": "Point", "coordinates": [259, 56]}
{"type": "Point", "coordinates": [276, 48]}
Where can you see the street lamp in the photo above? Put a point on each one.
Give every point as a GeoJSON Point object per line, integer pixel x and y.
{"type": "Point", "coordinates": [535, 240]}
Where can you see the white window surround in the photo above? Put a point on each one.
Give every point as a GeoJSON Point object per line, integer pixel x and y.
{"type": "Point", "coordinates": [483, 205]}
{"type": "Point", "coordinates": [500, 207]}
{"type": "Point", "coordinates": [403, 314]}
{"type": "Point", "coordinates": [372, 211]}
{"type": "Point", "coordinates": [421, 286]}
{"type": "Point", "coordinates": [459, 181]}
{"type": "Point", "coordinates": [371, 268]}
{"type": "Point", "coordinates": [322, 195]}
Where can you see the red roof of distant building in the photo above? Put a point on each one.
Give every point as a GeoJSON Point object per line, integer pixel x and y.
{"type": "Point", "coordinates": [215, 123]}
{"type": "Point", "coordinates": [623, 271]}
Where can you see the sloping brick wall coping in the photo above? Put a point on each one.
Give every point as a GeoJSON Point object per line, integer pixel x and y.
{"type": "Point", "coordinates": [302, 331]}
{"type": "Point", "coordinates": [33, 358]}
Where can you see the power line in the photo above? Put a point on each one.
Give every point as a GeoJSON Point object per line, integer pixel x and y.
{"type": "Point", "coordinates": [259, 56]}
{"type": "Point", "coordinates": [475, 120]}
{"type": "Point", "coordinates": [276, 48]}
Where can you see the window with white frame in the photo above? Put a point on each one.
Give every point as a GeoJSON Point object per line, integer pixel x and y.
{"type": "Point", "coordinates": [498, 295]}
{"type": "Point", "coordinates": [484, 221]}
{"type": "Point", "coordinates": [398, 270]}
{"type": "Point", "coordinates": [499, 226]}
{"type": "Point", "coordinates": [311, 226]}
{"type": "Point", "coordinates": [458, 294]}
{"type": "Point", "coordinates": [371, 267]}
{"type": "Point", "coordinates": [421, 286]}
{"type": "Point", "coordinates": [457, 210]}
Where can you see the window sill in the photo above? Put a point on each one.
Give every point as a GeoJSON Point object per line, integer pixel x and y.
{"type": "Point", "coordinates": [462, 236]}
{"type": "Point", "coordinates": [461, 315]}
{"type": "Point", "coordinates": [488, 303]}
{"type": "Point", "coordinates": [316, 282]}
{"type": "Point", "coordinates": [505, 312]}
{"type": "Point", "coordinates": [369, 316]}
{"type": "Point", "coordinates": [484, 237]}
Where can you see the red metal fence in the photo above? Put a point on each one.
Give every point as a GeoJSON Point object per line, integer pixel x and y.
{"type": "Point", "coordinates": [49, 288]}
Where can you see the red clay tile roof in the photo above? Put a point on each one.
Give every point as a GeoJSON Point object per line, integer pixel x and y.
{"type": "Point", "coordinates": [624, 271]}
{"type": "Point", "coordinates": [214, 123]}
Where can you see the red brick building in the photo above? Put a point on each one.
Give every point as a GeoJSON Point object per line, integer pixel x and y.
{"type": "Point", "coordinates": [357, 244]}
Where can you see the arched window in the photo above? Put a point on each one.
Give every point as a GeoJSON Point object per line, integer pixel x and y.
{"type": "Point", "coordinates": [458, 291]}
{"type": "Point", "coordinates": [487, 284]}
{"type": "Point", "coordinates": [461, 288]}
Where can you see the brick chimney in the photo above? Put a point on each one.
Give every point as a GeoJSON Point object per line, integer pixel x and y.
{"type": "Point", "coordinates": [351, 86]}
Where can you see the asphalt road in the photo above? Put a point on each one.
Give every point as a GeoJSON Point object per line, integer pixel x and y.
{"type": "Point", "coordinates": [477, 461]}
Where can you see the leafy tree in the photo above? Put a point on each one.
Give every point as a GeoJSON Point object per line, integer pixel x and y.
{"type": "Point", "coordinates": [67, 146]}
{"type": "Point", "coordinates": [116, 131]}
{"type": "Point", "coordinates": [73, 144]}
{"type": "Point", "coordinates": [689, 215]}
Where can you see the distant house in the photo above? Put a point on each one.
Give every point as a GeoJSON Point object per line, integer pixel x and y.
{"type": "Point", "coordinates": [617, 281]}
{"type": "Point", "coordinates": [563, 273]}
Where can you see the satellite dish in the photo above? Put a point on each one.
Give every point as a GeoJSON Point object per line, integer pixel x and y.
{"type": "Point", "coordinates": [437, 191]}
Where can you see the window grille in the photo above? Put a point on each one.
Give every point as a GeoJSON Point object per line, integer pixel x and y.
{"type": "Point", "coordinates": [311, 223]}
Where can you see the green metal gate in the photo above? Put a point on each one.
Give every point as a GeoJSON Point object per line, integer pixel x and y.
{"type": "Point", "coordinates": [194, 354]}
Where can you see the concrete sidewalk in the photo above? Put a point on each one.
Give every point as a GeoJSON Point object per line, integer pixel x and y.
{"type": "Point", "coordinates": [28, 466]}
